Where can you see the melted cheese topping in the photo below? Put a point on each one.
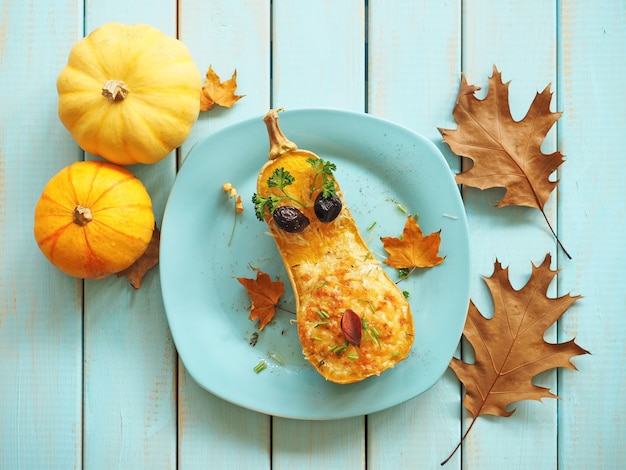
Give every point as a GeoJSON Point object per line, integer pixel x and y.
{"type": "Point", "coordinates": [346, 276]}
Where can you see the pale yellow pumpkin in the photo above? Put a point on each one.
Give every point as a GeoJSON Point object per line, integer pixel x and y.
{"type": "Point", "coordinates": [129, 93]}
{"type": "Point", "coordinates": [93, 219]}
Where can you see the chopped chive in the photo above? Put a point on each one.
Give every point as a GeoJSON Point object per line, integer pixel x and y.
{"type": "Point", "coordinates": [373, 334]}
{"type": "Point", "coordinates": [262, 365]}
{"type": "Point", "coordinates": [339, 349]}
{"type": "Point", "coordinates": [322, 284]}
{"type": "Point", "coordinates": [371, 226]}
{"type": "Point", "coordinates": [322, 313]}
{"type": "Point", "coordinates": [375, 331]}
{"type": "Point", "coordinates": [367, 256]}
{"type": "Point", "coordinates": [320, 324]}
{"type": "Point", "coordinates": [402, 209]}
{"type": "Point", "coordinates": [353, 356]}
{"type": "Point", "coordinates": [397, 353]}
{"type": "Point", "coordinates": [316, 338]}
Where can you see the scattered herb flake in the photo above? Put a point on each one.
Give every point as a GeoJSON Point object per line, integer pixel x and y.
{"type": "Point", "coordinates": [261, 366]}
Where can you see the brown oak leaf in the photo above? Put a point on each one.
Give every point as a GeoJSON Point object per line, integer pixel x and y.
{"type": "Point", "coordinates": [509, 347]}
{"type": "Point", "coordinates": [264, 294]}
{"type": "Point", "coordinates": [413, 250]}
{"type": "Point", "coordinates": [150, 258]}
{"type": "Point", "coordinates": [216, 92]}
{"type": "Point", "coordinates": [506, 153]}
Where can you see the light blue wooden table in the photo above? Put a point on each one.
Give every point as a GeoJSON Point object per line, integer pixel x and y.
{"type": "Point", "coordinates": [89, 375]}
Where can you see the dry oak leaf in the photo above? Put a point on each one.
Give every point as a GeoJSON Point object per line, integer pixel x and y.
{"type": "Point", "coordinates": [509, 347]}
{"type": "Point", "coordinates": [215, 92]}
{"type": "Point", "coordinates": [150, 258]}
{"type": "Point", "coordinates": [264, 294]}
{"type": "Point", "coordinates": [413, 250]}
{"type": "Point", "coordinates": [506, 153]}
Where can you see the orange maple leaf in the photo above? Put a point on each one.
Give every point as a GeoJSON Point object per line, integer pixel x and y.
{"type": "Point", "coordinates": [509, 348]}
{"type": "Point", "coordinates": [413, 250]}
{"type": "Point", "coordinates": [264, 294]}
{"type": "Point", "coordinates": [216, 92]}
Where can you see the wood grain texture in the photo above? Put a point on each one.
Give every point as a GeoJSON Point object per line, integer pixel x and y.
{"type": "Point", "coordinates": [414, 63]}
{"type": "Point", "coordinates": [231, 36]}
{"type": "Point", "coordinates": [525, 53]}
{"type": "Point", "coordinates": [130, 359]}
{"type": "Point", "coordinates": [592, 215]}
{"type": "Point", "coordinates": [40, 308]}
{"type": "Point", "coordinates": [227, 35]}
{"type": "Point", "coordinates": [89, 375]}
{"type": "Point", "coordinates": [319, 54]}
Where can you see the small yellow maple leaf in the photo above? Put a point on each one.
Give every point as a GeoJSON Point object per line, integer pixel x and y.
{"type": "Point", "coordinates": [264, 294]}
{"type": "Point", "coordinates": [216, 92]}
{"type": "Point", "coordinates": [413, 250]}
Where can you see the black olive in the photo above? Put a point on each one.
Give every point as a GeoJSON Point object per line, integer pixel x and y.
{"type": "Point", "coordinates": [327, 208]}
{"type": "Point", "coordinates": [290, 219]}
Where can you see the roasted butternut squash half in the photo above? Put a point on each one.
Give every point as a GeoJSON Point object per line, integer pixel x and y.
{"type": "Point", "coordinates": [353, 321]}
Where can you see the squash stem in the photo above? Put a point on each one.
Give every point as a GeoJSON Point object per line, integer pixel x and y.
{"type": "Point", "coordinates": [82, 215]}
{"type": "Point", "coordinates": [279, 144]}
{"type": "Point", "coordinates": [115, 90]}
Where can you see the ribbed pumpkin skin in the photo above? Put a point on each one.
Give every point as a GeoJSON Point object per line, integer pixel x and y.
{"type": "Point", "coordinates": [121, 226]}
{"type": "Point", "coordinates": [162, 104]}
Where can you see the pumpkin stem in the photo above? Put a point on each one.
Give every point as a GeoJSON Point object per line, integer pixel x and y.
{"type": "Point", "coordinates": [82, 215]}
{"type": "Point", "coordinates": [115, 90]}
{"type": "Point", "coordinates": [279, 144]}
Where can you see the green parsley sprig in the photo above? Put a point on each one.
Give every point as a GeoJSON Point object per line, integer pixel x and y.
{"type": "Point", "coordinates": [280, 179]}
{"type": "Point", "coordinates": [324, 169]}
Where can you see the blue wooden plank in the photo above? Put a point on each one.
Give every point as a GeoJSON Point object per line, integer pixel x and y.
{"type": "Point", "coordinates": [519, 38]}
{"type": "Point", "coordinates": [592, 210]}
{"type": "Point", "coordinates": [231, 36]}
{"type": "Point", "coordinates": [227, 35]}
{"type": "Point", "coordinates": [130, 416]}
{"type": "Point", "coordinates": [318, 54]}
{"type": "Point", "coordinates": [40, 308]}
{"type": "Point", "coordinates": [414, 61]}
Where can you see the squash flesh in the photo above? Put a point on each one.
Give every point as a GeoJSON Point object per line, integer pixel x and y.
{"type": "Point", "coordinates": [331, 269]}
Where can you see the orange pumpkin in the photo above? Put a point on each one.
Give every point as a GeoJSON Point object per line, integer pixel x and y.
{"type": "Point", "coordinates": [93, 219]}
